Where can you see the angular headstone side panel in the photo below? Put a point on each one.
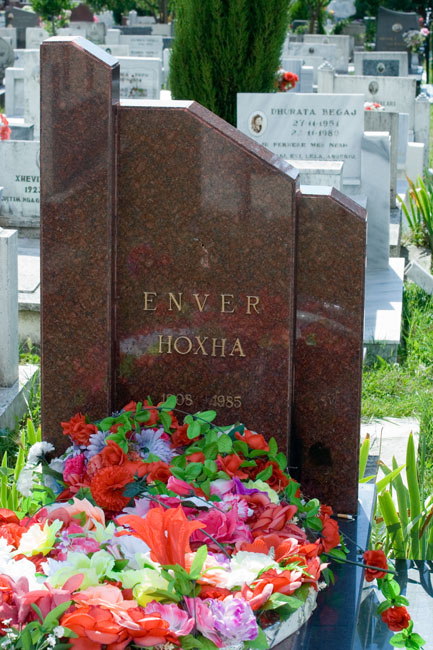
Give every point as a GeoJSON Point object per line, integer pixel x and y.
{"type": "Point", "coordinates": [328, 349]}
{"type": "Point", "coordinates": [206, 236]}
{"type": "Point", "coordinates": [79, 85]}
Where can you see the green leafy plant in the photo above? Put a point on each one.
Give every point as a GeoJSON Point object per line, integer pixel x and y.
{"type": "Point", "coordinates": [225, 47]}
{"type": "Point", "coordinates": [405, 528]}
{"type": "Point", "coordinates": [54, 12]}
{"type": "Point", "coordinates": [419, 211]}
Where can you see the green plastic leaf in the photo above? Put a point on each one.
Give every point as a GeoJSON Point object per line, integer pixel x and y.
{"type": "Point", "coordinates": [281, 460]}
{"type": "Point", "coordinates": [273, 447]}
{"type": "Point", "coordinates": [398, 640]}
{"type": "Point", "coordinates": [51, 619]}
{"type": "Point", "coordinates": [207, 416]}
{"type": "Point", "coordinates": [265, 474]}
{"type": "Point", "coordinates": [193, 430]}
{"type": "Point", "coordinates": [314, 523]}
{"type": "Point", "coordinates": [336, 554]}
{"type": "Point", "coordinates": [384, 606]}
{"type": "Point", "coordinates": [225, 444]}
{"type": "Point", "coordinates": [193, 471]}
{"type": "Point", "coordinates": [198, 561]}
{"type": "Point", "coordinates": [165, 420]}
{"type": "Point", "coordinates": [211, 465]}
{"type": "Point", "coordinates": [170, 403]}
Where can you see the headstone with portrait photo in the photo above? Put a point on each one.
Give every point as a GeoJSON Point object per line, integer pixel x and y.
{"type": "Point", "coordinates": [391, 27]}
{"type": "Point", "coordinates": [384, 64]}
{"type": "Point", "coordinates": [306, 126]}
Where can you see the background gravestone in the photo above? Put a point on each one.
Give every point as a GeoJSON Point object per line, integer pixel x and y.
{"type": "Point", "coordinates": [391, 25]}
{"type": "Point", "coordinates": [21, 20]}
{"type": "Point", "coordinates": [203, 251]}
{"type": "Point", "coordinates": [6, 57]}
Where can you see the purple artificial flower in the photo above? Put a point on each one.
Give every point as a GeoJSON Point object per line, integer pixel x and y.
{"type": "Point", "coordinates": [234, 620]}
{"type": "Point", "coordinates": [151, 441]}
{"type": "Point", "coordinates": [241, 489]}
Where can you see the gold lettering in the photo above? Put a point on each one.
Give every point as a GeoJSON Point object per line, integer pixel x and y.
{"type": "Point", "coordinates": [197, 299]}
{"type": "Point", "coordinates": [177, 302]}
{"type": "Point", "coordinates": [225, 303]}
{"type": "Point", "coordinates": [254, 304]}
{"type": "Point", "coordinates": [237, 348]}
{"type": "Point", "coordinates": [167, 343]}
{"type": "Point", "coordinates": [221, 345]}
{"type": "Point", "coordinates": [200, 345]}
{"type": "Point", "coordinates": [185, 338]}
{"type": "Point", "coordinates": [149, 297]}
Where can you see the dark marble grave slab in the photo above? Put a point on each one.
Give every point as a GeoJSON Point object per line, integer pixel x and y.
{"type": "Point", "coordinates": [333, 625]}
{"type": "Point", "coordinates": [328, 350]}
{"type": "Point", "coordinates": [384, 68]}
{"type": "Point", "coordinates": [171, 248]}
{"type": "Point", "coordinates": [391, 25]}
{"type": "Point", "coordinates": [21, 20]}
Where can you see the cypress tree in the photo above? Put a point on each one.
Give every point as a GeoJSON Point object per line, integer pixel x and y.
{"type": "Point", "coordinates": [223, 47]}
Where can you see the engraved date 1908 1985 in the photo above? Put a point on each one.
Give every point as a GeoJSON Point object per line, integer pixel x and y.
{"type": "Point", "coordinates": [221, 401]}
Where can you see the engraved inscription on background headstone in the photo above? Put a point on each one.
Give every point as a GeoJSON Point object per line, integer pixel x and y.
{"type": "Point", "coordinates": [391, 25]}
{"type": "Point", "coordinates": [140, 78]}
{"type": "Point", "coordinates": [35, 36]}
{"type": "Point", "coordinates": [6, 57]}
{"type": "Point", "coordinates": [215, 324]}
{"type": "Point", "coordinates": [376, 67]}
{"type": "Point", "coordinates": [145, 46]}
{"type": "Point", "coordinates": [306, 126]}
{"type": "Point", "coordinates": [20, 177]}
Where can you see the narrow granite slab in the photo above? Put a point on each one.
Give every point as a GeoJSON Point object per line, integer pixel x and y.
{"type": "Point", "coordinates": [78, 88]}
{"type": "Point", "coordinates": [328, 351]}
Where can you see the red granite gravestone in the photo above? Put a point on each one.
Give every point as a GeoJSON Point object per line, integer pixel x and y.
{"type": "Point", "coordinates": [168, 243]}
{"type": "Point", "coordinates": [81, 13]}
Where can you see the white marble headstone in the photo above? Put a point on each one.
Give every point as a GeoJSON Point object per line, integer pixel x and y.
{"type": "Point", "coordinates": [14, 92]}
{"type": "Point", "coordinates": [306, 126]}
{"type": "Point", "coordinates": [140, 78]}
{"type": "Point", "coordinates": [35, 36]}
{"type": "Point", "coordinates": [20, 177]}
{"type": "Point", "coordinates": [144, 46]}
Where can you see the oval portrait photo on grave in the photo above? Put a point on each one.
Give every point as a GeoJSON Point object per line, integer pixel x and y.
{"type": "Point", "coordinates": [257, 123]}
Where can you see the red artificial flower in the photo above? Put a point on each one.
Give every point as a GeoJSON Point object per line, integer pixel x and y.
{"type": "Point", "coordinates": [108, 484]}
{"type": "Point", "coordinates": [217, 593]}
{"type": "Point", "coordinates": [253, 440]}
{"type": "Point", "coordinates": [272, 519]}
{"type": "Point", "coordinates": [158, 471]}
{"type": "Point", "coordinates": [166, 532]}
{"type": "Point", "coordinates": [10, 527]}
{"type": "Point", "coordinates": [5, 131]}
{"type": "Point", "coordinates": [112, 454]}
{"type": "Point", "coordinates": [180, 438]}
{"type": "Point", "coordinates": [277, 481]}
{"type": "Point", "coordinates": [231, 465]}
{"type": "Point", "coordinates": [396, 618]}
{"type": "Point", "coordinates": [377, 559]}
{"type": "Point", "coordinates": [78, 429]}
{"type": "Point", "coordinates": [330, 535]}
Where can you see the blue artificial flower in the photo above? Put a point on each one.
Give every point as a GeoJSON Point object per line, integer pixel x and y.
{"type": "Point", "coordinates": [150, 441]}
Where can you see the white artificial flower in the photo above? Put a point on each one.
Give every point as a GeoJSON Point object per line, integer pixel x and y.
{"type": "Point", "coordinates": [38, 451]}
{"type": "Point", "coordinates": [245, 567]}
{"type": "Point", "coordinates": [25, 481]}
{"type": "Point", "coordinates": [134, 550]}
{"type": "Point", "coordinates": [59, 631]}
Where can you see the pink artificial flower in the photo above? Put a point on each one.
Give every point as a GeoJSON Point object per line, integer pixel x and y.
{"type": "Point", "coordinates": [49, 598]}
{"type": "Point", "coordinates": [182, 488]}
{"type": "Point", "coordinates": [179, 621]}
{"type": "Point", "coordinates": [74, 469]}
{"type": "Point", "coordinates": [204, 619]}
{"type": "Point", "coordinates": [225, 527]}
{"type": "Point", "coordinates": [221, 486]}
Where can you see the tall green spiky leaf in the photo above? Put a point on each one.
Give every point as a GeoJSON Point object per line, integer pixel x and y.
{"type": "Point", "coordinates": [223, 47]}
{"type": "Point", "coordinates": [414, 497]}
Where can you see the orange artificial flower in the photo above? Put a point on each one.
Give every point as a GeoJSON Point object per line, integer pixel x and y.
{"type": "Point", "coordinates": [112, 454]}
{"type": "Point", "coordinates": [78, 429]}
{"type": "Point", "coordinates": [10, 527]}
{"type": "Point", "coordinates": [262, 544]}
{"type": "Point", "coordinates": [197, 457]}
{"type": "Point", "coordinates": [149, 629]}
{"type": "Point", "coordinates": [95, 627]}
{"type": "Point", "coordinates": [286, 582]}
{"type": "Point", "coordinates": [272, 519]}
{"type": "Point", "coordinates": [253, 440]}
{"type": "Point", "coordinates": [231, 465]}
{"type": "Point", "coordinates": [166, 532]}
{"type": "Point", "coordinates": [108, 484]}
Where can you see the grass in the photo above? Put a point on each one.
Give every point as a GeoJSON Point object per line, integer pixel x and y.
{"type": "Point", "coordinates": [405, 388]}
